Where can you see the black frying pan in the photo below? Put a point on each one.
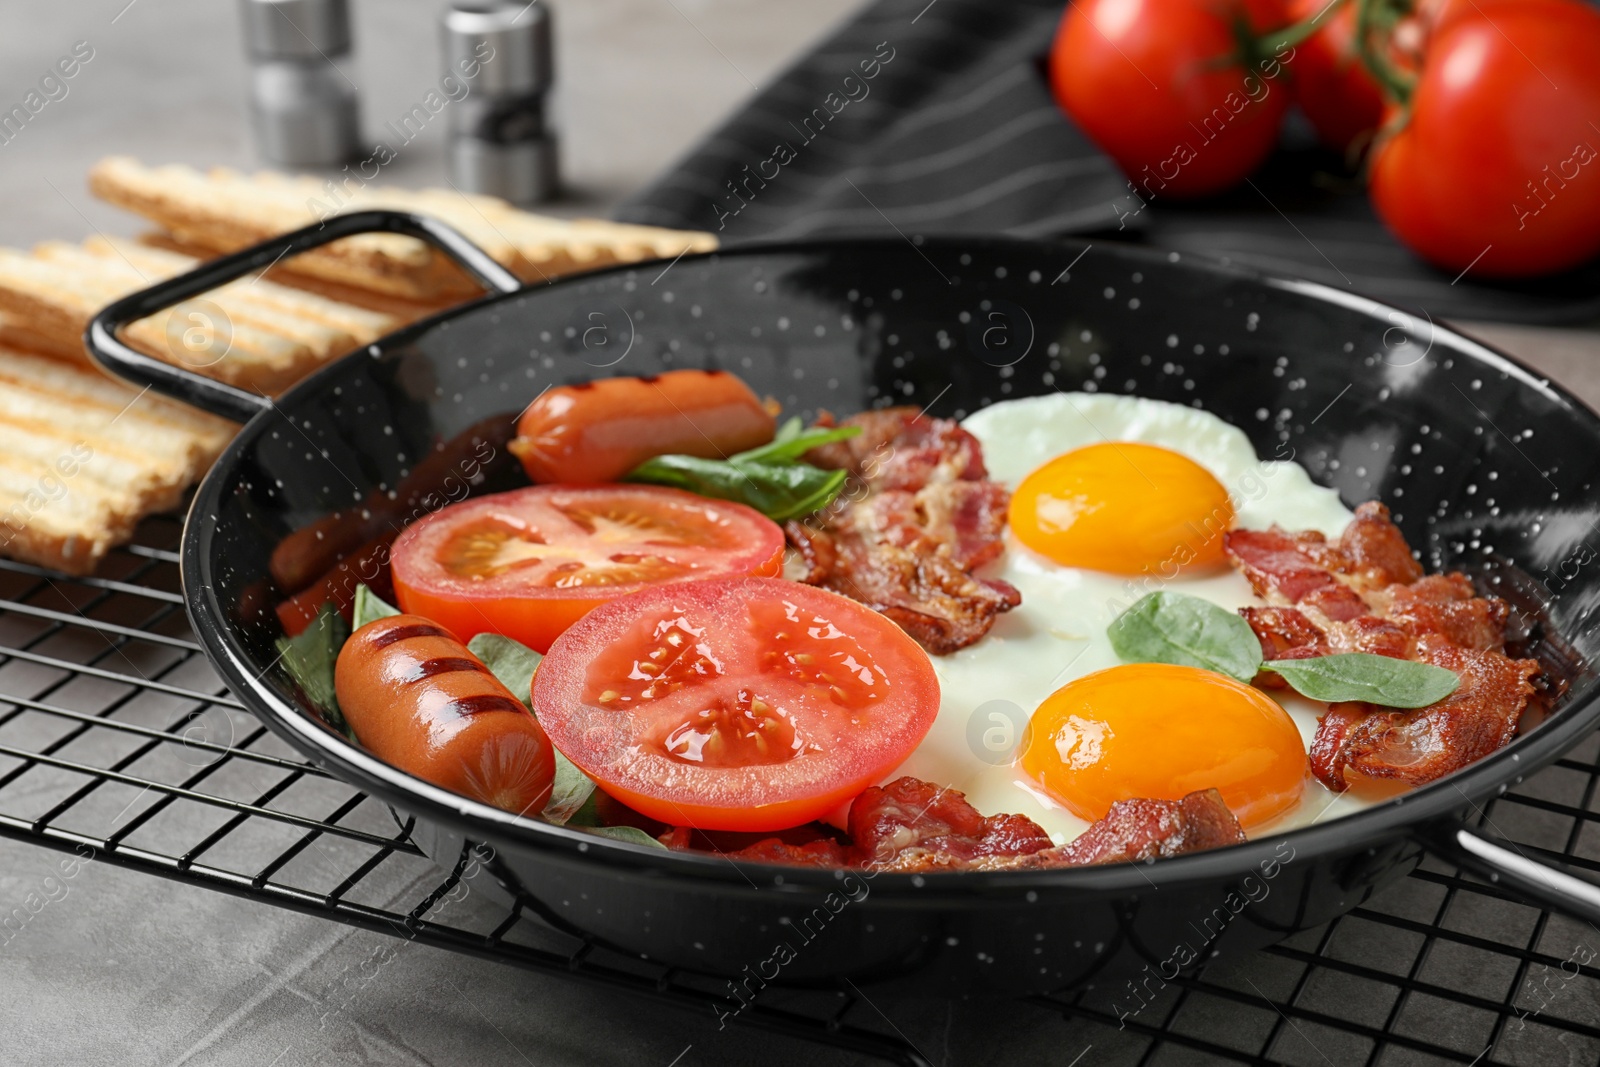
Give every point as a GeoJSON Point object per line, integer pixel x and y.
{"type": "Point", "coordinates": [1487, 466]}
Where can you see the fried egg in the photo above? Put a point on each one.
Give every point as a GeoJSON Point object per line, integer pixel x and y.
{"type": "Point", "coordinates": [1115, 497]}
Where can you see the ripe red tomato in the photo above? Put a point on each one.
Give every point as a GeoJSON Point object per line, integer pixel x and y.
{"type": "Point", "coordinates": [1331, 84]}
{"type": "Point", "coordinates": [1497, 166]}
{"type": "Point", "coordinates": [740, 704]}
{"type": "Point", "coordinates": [531, 562]}
{"type": "Point", "coordinates": [1437, 16]}
{"type": "Point", "coordinates": [1150, 82]}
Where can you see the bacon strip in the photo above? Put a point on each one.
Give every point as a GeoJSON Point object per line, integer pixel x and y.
{"type": "Point", "coordinates": [1155, 829]}
{"type": "Point", "coordinates": [1368, 594]}
{"type": "Point", "coordinates": [912, 826]}
{"type": "Point", "coordinates": [1422, 744]}
{"type": "Point", "coordinates": [917, 518]}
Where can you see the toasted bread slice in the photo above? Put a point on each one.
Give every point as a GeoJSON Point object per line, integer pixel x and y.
{"type": "Point", "coordinates": [400, 310]}
{"type": "Point", "coordinates": [222, 210]}
{"type": "Point", "coordinates": [252, 333]}
{"type": "Point", "coordinates": [20, 334]}
{"type": "Point", "coordinates": [199, 334]}
{"type": "Point", "coordinates": [239, 301]}
{"type": "Point", "coordinates": [83, 458]}
{"type": "Point", "coordinates": [273, 305]}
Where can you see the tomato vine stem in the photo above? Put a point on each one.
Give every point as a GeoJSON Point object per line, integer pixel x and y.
{"type": "Point", "coordinates": [1375, 28]}
{"type": "Point", "coordinates": [1295, 33]}
{"type": "Point", "coordinates": [1255, 51]}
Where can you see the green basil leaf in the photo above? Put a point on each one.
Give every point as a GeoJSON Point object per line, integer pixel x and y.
{"type": "Point", "coordinates": [572, 793]}
{"type": "Point", "coordinates": [588, 813]}
{"type": "Point", "coordinates": [310, 659]}
{"type": "Point", "coordinates": [771, 479]}
{"type": "Point", "coordinates": [631, 834]}
{"type": "Point", "coordinates": [510, 661]}
{"type": "Point", "coordinates": [793, 427]}
{"type": "Point", "coordinates": [514, 664]}
{"type": "Point", "coordinates": [792, 490]}
{"type": "Point", "coordinates": [1186, 630]}
{"type": "Point", "coordinates": [369, 606]}
{"type": "Point", "coordinates": [780, 491]}
{"type": "Point", "coordinates": [1392, 683]}
{"type": "Point", "coordinates": [792, 442]}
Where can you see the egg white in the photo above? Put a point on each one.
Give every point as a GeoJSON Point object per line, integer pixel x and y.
{"type": "Point", "coordinates": [989, 689]}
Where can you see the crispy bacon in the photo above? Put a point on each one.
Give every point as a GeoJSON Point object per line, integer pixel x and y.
{"type": "Point", "coordinates": [1337, 603]}
{"type": "Point", "coordinates": [898, 448]}
{"type": "Point", "coordinates": [1287, 568]}
{"type": "Point", "coordinates": [1155, 829]}
{"type": "Point", "coordinates": [1367, 593]}
{"type": "Point", "coordinates": [1329, 748]}
{"type": "Point", "coordinates": [1286, 633]}
{"type": "Point", "coordinates": [1423, 744]}
{"type": "Point", "coordinates": [1447, 605]}
{"type": "Point", "coordinates": [1375, 551]}
{"type": "Point", "coordinates": [912, 826]}
{"type": "Point", "coordinates": [1278, 570]}
{"type": "Point", "coordinates": [1369, 633]}
{"type": "Point", "coordinates": [918, 516]}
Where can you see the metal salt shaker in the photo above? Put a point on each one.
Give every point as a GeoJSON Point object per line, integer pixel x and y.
{"type": "Point", "coordinates": [303, 109]}
{"type": "Point", "coordinates": [500, 141]}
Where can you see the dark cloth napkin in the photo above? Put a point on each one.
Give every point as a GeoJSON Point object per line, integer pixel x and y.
{"type": "Point", "coordinates": [936, 118]}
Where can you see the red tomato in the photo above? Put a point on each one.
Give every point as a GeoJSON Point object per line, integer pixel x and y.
{"type": "Point", "coordinates": [1151, 83]}
{"type": "Point", "coordinates": [1497, 166]}
{"type": "Point", "coordinates": [740, 704]}
{"type": "Point", "coordinates": [1440, 15]}
{"type": "Point", "coordinates": [531, 562]}
{"type": "Point", "coordinates": [1331, 84]}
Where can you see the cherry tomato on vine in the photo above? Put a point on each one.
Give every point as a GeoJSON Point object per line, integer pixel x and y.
{"type": "Point", "coordinates": [1331, 84]}
{"type": "Point", "coordinates": [1172, 89]}
{"type": "Point", "coordinates": [1437, 16]}
{"type": "Point", "coordinates": [1497, 164]}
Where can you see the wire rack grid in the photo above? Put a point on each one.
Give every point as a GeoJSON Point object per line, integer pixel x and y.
{"type": "Point", "coordinates": [117, 739]}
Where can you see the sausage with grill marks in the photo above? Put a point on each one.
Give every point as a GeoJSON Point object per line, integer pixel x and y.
{"type": "Point", "coordinates": [418, 699]}
{"type": "Point", "coordinates": [599, 431]}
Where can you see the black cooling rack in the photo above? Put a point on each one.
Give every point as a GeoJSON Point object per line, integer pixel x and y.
{"type": "Point", "coordinates": [116, 737]}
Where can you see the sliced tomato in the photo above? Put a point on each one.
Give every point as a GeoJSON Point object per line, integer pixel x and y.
{"type": "Point", "coordinates": [740, 704]}
{"type": "Point", "coordinates": [531, 562]}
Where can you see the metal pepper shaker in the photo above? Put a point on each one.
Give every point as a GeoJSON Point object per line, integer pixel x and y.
{"type": "Point", "coordinates": [500, 141]}
{"type": "Point", "coordinates": [303, 108]}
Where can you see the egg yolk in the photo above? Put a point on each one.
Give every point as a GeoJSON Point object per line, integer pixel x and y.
{"type": "Point", "coordinates": [1160, 731]}
{"type": "Point", "coordinates": [1123, 507]}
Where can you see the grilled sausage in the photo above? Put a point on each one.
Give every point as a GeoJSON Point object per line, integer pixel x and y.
{"type": "Point", "coordinates": [601, 430]}
{"type": "Point", "coordinates": [418, 699]}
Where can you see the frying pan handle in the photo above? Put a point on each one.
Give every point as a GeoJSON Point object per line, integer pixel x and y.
{"type": "Point", "coordinates": [230, 401]}
{"type": "Point", "coordinates": [1488, 858]}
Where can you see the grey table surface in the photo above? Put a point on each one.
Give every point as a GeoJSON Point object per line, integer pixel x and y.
{"type": "Point", "coordinates": [128, 969]}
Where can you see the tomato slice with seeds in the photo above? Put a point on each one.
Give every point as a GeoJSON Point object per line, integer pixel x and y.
{"type": "Point", "coordinates": [531, 562]}
{"type": "Point", "coordinates": [737, 704]}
